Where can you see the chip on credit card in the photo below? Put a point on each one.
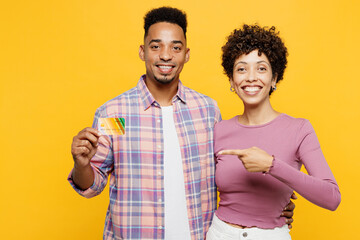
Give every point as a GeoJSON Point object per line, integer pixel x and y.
{"type": "Point", "coordinates": [111, 126]}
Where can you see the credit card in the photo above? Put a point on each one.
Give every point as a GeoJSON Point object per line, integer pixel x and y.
{"type": "Point", "coordinates": [111, 126]}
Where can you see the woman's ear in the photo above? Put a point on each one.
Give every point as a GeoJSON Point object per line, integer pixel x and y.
{"type": "Point", "coordinates": [274, 80]}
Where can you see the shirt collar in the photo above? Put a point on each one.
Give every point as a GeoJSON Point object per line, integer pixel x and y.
{"type": "Point", "coordinates": [149, 100]}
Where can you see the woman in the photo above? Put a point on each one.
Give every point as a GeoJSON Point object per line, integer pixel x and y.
{"type": "Point", "coordinates": [259, 153]}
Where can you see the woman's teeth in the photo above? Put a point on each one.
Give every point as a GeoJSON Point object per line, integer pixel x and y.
{"type": "Point", "coordinates": [251, 89]}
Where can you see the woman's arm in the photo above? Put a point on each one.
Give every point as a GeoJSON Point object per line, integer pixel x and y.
{"type": "Point", "coordinates": [319, 187]}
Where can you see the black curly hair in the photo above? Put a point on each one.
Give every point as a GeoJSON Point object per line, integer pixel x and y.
{"type": "Point", "coordinates": [165, 14]}
{"type": "Point", "coordinates": [253, 37]}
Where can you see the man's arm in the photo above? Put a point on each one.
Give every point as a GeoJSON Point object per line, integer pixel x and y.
{"type": "Point", "coordinates": [83, 148]}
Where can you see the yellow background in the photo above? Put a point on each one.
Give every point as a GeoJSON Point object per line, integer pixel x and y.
{"type": "Point", "coordinates": [60, 60]}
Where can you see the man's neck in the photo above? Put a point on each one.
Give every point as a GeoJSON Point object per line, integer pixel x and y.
{"type": "Point", "coordinates": [163, 93]}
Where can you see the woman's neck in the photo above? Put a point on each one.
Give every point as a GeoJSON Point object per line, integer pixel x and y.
{"type": "Point", "coordinates": [257, 115]}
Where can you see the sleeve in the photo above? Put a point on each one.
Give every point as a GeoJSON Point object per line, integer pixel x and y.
{"type": "Point", "coordinates": [217, 112]}
{"type": "Point", "coordinates": [102, 164]}
{"type": "Point", "coordinates": [319, 187]}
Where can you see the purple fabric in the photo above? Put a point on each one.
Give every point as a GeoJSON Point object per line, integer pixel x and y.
{"type": "Point", "coordinates": [257, 199]}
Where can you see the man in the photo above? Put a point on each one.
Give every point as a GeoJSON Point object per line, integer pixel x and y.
{"type": "Point", "coordinates": [162, 169]}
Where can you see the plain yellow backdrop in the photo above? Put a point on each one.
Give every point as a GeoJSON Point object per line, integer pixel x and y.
{"type": "Point", "coordinates": [60, 60]}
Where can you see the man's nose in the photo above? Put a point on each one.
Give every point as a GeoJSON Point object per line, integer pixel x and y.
{"type": "Point", "coordinates": [165, 54]}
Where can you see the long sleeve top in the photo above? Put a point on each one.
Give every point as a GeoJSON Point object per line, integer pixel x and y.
{"type": "Point", "coordinates": [257, 199]}
{"type": "Point", "coordinates": [135, 163]}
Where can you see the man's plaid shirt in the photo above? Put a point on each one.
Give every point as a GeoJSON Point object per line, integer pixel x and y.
{"type": "Point", "coordinates": [135, 163]}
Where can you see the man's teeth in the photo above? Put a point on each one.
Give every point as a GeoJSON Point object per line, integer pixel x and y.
{"type": "Point", "coordinates": [252, 89]}
{"type": "Point", "coordinates": [165, 67]}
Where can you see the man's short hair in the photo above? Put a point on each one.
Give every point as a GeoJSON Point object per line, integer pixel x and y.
{"type": "Point", "coordinates": [165, 14]}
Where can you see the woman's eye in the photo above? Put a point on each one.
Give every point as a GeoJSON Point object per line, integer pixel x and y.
{"type": "Point", "coordinates": [241, 69]}
{"type": "Point", "coordinates": [262, 69]}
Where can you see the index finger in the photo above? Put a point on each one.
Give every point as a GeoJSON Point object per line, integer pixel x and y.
{"type": "Point", "coordinates": [92, 131]}
{"type": "Point", "coordinates": [89, 134]}
{"type": "Point", "coordinates": [237, 152]}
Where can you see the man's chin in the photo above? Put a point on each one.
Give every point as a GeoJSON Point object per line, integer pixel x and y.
{"type": "Point", "coordinates": [164, 80]}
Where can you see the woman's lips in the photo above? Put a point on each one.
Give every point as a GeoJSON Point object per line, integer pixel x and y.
{"type": "Point", "coordinates": [251, 90]}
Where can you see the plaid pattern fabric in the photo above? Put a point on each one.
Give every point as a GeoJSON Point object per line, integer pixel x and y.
{"type": "Point", "coordinates": [134, 162]}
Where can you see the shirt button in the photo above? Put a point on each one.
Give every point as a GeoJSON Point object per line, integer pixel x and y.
{"type": "Point", "coordinates": [245, 234]}
{"type": "Point", "coordinates": [158, 120]}
{"type": "Point", "coordinates": [160, 200]}
{"type": "Point", "coordinates": [159, 146]}
{"type": "Point", "coordinates": [159, 173]}
{"type": "Point", "coordinates": [160, 227]}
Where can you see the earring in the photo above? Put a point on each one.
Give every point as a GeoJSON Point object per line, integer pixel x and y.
{"type": "Point", "coordinates": [232, 89]}
{"type": "Point", "coordinates": [274, 88]}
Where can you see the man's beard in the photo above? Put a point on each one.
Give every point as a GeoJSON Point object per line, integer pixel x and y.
{"type": "Point", "coordinates": [164, 80]}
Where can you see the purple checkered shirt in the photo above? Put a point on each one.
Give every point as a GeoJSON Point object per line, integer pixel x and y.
{"type": "Point", "coordinates": [135, 163]}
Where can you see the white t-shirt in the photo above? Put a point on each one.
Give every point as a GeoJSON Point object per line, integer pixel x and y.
{"type": "Point", "coordinates": [176, 217]}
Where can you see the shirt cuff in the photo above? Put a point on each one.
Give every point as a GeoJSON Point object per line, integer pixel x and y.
{"type": "Point", "coordinates": [88, 193]}
{"type": "Point", "coordinates": [272, 165]}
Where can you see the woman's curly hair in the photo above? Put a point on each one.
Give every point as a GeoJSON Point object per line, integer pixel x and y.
{"type": "Point", "coordinates": [253, 37]}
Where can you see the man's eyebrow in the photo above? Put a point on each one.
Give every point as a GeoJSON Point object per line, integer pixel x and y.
{"type": "Point", "coordinates": [177, 41]}
{"type": "Point", "coordinates": [155, 40]}
{"type": "Point", "coordinates": [159, 40]}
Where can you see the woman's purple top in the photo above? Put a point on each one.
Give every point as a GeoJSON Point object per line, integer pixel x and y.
{"type": "Point", "coordinates": [257, 199]}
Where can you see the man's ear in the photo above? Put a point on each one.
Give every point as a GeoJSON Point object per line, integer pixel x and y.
{"type": "Point", "coordinates": [142, 52]}
{"type": "Point", "coordinates": [187, 55]}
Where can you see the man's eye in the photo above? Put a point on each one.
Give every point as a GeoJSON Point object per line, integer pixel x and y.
{"type": "Point", "coordinates": [177, 48]}
{"type": "Point", "coordinates": [154, 47]}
